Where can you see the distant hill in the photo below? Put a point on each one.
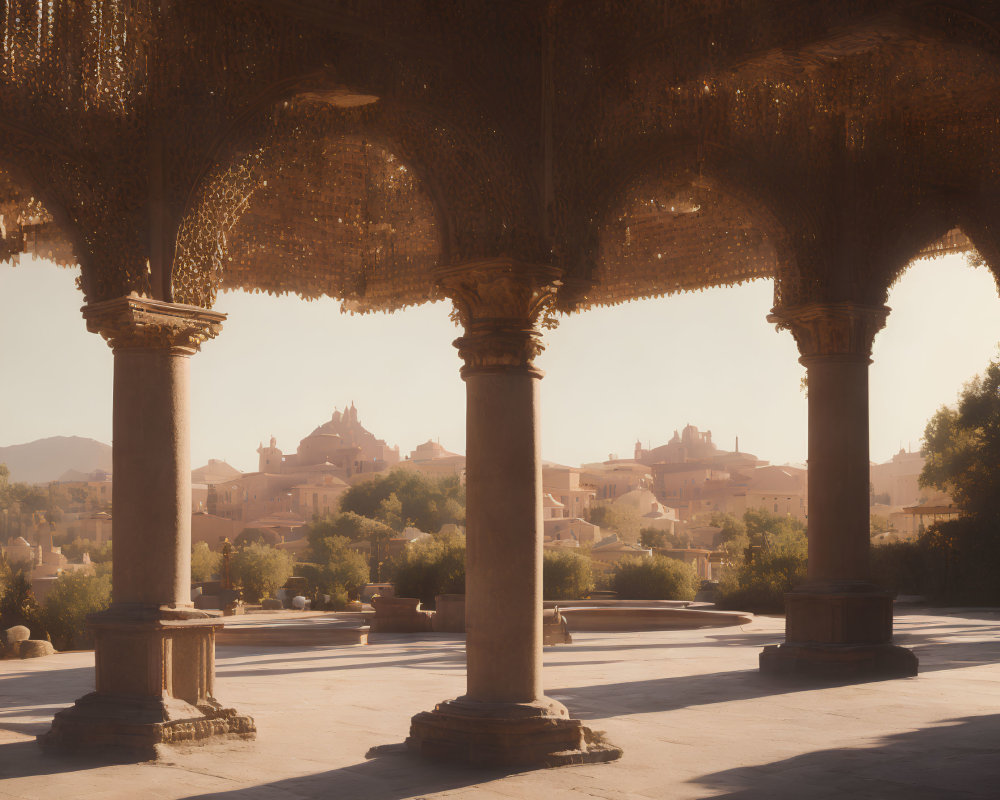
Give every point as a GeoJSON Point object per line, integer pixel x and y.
{"type": "Point", "coordinates": [48, 459]}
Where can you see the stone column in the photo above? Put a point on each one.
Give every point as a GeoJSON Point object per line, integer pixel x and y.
{"type": "Point", "coordinates": [504, 718]}
{"type": "Point", "coordinates": [154, 653]}
{"type": "Point", "coordinates": [838, 624]}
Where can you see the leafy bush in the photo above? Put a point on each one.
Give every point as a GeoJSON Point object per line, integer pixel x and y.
{"type": "Point", "coordinates": [430, 567]}
{"type": "Point", "coordinates": [261, 570]}
{"type": "Point", "coordinates": [760, 584]}
{"type": "Point", "coordinates": [953, 563]}
{"type": "Point", "coordinates": [656, 578]}
{"type": "Point", "coordinates": [205, 564]}
{"type": "Point", "coordinates": [566, 575]}
{"type": "Point", "coordinates": [72, 597]}
{"type": "Point", "coordinates": [345, 571]}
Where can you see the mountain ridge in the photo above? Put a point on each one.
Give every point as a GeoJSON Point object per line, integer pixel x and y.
{"type": "Point", "coordinates": [45, 460]}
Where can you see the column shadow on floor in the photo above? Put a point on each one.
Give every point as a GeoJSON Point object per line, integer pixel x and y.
{"type": "Point", "coordinates": [395, 774]}
{"type": "Point", "coordinates": [26, 759]}
{"type": "Point", "coordinates": [954, 759]}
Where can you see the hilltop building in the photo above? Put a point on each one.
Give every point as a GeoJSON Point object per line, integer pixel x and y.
{"type": "Point", "coordinates": [342, 442]}
{"type": "Point", "coordinates": [432, 459]}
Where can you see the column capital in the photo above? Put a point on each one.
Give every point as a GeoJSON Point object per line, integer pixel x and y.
{"type": "Point", "coordinates": [502, 304]}
{"type": "Point", "coordinates": [843, 331]}
{"type": "Point", "coordinates": [141, 323]}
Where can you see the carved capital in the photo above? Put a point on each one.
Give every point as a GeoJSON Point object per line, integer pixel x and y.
{"type": "Point", "coordinates": [502, 305]}
{"type": "Point", "coordinates": [831, 330]}
{"type": "Point", "coordinates": [138, 322]}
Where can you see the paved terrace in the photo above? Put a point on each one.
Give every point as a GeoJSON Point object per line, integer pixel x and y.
{"type": "Point", "coordinates": [690, 710]}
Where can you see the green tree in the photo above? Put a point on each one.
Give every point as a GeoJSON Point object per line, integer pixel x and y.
{"type": "Point", "coordinates": [429, 567]}
{"type": "Point", "coordinates": [205, 564]}
{"type": "Point", "coordinates": [566, 575]}
{"type": "Point", "coordinates": [732, 526]}
{"type": "Point", "coordinates": [423, 501]}
{"type": "Point", "coordinates": [261, 570]}
{"type": "Point", "coordinates": [962, 447]}
{"type": "Point", "coordinates": [72, 597]}
{"type": "Point", "coordinates": [343, 573]}
{"type": "Point", "coordinates": [99, 553]}
{"type": "Point", "coordinates": [765, 557]}
{"type": "Point", "coordinates": [608, 516]}
{"type": "Point", "coordinates": [249, 536]}
{"type": "Point", "coordinates": [354, 528]}
{"type": "Point", "coordinates": [17, 602]}
{"type": "Point", "coordinates": [654, 537]}
{"type": "Point", "coordinates": [656, 578]}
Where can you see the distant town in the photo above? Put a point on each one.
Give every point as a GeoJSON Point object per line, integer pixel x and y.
{"type": "Point", "coordinates": [677, 488]}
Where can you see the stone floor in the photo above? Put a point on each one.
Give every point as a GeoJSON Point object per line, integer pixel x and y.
{"type": "Point", "coordinates": [693, 715]}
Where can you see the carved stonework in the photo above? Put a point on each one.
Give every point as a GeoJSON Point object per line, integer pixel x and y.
{"type": "Point", "coordinates": [138, 322]}
{"type": "Point", "coordinates": [501, 304]}
{"type": "Point", "coordinates": [843, 330]}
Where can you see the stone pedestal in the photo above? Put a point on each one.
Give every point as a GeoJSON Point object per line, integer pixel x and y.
{"type": "Point", "coordinates": [449, 613]}
{"type": "Point", "coordinates": [839, 633]}
{"type": "Point", "coordinates": [504, 719]}
{"type": "Point", "coordinates": [154, 652]}
{"type": "Point", "coordinates": [154, 686]}
{"type": "Point", "coordinates": [838, 625]}
{"type": "Point", "coordinates": [399, 615]}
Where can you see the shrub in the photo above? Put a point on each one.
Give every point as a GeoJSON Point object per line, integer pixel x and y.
{"type": "Point", "coordinates": [430, 567]}
{"type": "Point", "coordinates": [656, 578]}
{"type": "Point", "coordinates": [953, 563]}
{"type": "Point", "coordinates": [261, 570]}
{"type": "Point", "coordinates": [17, 602]}
{"type": "Point", "coordinates": [205, 564]}
{"type": "Point", "coordinates": [760, 585]}
{"type": "Point", "coordinates": [72, 597]}
{"type": "Point", "coordinates": [566, 575]}
{"type": "Point", "coordinates": [344, 573]}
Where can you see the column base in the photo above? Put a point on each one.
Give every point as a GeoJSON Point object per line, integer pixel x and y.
{"type": "Point", "coordinates": [838, 632]}
{"type": "Point", "coordinates": [155, 675]}
{"type": "Point", "coordinates": [136, 727]}
{"type": "Point", "coordinates": [539, 734]}
{"type": "Point", "coordinates": [838, 662]}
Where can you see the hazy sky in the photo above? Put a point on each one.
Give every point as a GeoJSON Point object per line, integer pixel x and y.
{"type": "Point", "coordinates": [613, 375]}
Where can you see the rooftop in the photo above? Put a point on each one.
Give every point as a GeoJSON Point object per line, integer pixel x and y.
{"type": "Point", "coordinates": [692, 713]}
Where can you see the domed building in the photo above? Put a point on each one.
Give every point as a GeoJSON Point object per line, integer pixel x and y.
{"type": "Point", "coordinates": [341, 446]}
